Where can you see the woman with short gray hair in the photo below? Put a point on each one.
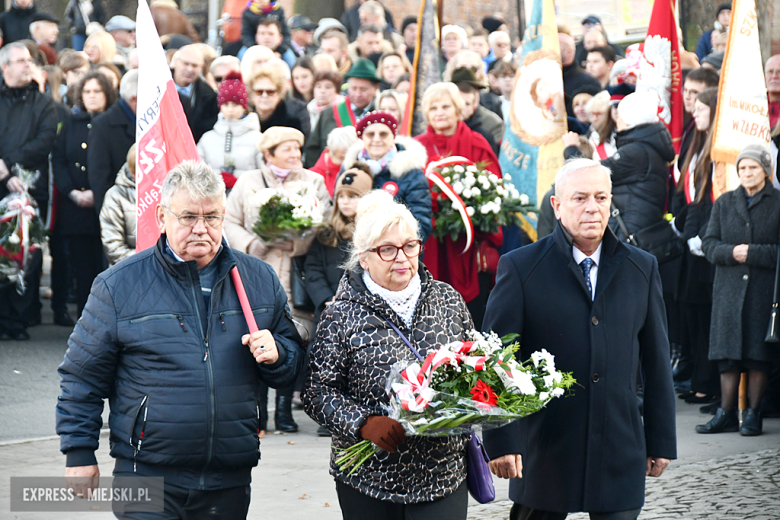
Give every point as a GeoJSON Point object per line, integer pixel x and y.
{"type": "Point", "coordinates": [386, 292]}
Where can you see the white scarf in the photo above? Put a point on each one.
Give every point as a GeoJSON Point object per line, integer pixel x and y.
{"type": "Point", "coordinates": [403, 302]}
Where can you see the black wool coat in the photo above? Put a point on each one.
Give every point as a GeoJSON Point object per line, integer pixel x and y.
{"type": "Point", "coordinates": [201, 109]}
{"type": "Point", "coordinates": [742, 294]}
{"type": "Point", "coordinates": [323, 272]}
{"type": "Point", "coordinates": [587, 451]}
{"type": "Point", "coordinates": [69, 163]}
{"type": "Point", "coordinates": [111, 136]}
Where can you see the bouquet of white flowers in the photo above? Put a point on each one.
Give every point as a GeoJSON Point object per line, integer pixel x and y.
{"type": "Point", "coordinates": [488, 201]}
{"type": "Point", "coordinates": [287, 212]}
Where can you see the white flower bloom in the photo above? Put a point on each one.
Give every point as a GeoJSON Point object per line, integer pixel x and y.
{"type": "Point", "coordinates": [467, 193]}
{"type": "Point", "coordinates": [524, 382]}
{"type": "Point", "coordinates": [544, 396]}
{"type": "Point", "coordinates": [524, 200]}
{"type": "Point", "coordinates": [458, 168]}
{"type": "Point", "coordinates": [469, 181]}
{"type": "Point", "coordinates": [472, 168]}
{"type": "Point", "coordinates": [548, 381]}
{"type": "Point", "coordinates": [507, 177]}
{"type": "Point", "coordinates": [485, 209]}
{"type": "Point", "coordinates": [458, 187]}
{"type": "Point", "coordinates": [475, 192]}
{"type": "Point", "coordinates": [557, 377]}
{"type": "Point", "coordinates": [448, 180]}
{"type": "Point", "coordinates": [497, 200]}
{"type": "Point", "coordinates": [557, 392]}
{"type": "Point", "coordinates": [470, 211]}
{"type": "Point", "coordinates": [14, 238]}
{"type": "Point", "coordinates": [496, 208]}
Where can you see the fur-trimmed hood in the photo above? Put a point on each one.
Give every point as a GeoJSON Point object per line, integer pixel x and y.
{"type": "Point", "coordinates": [411, 156]}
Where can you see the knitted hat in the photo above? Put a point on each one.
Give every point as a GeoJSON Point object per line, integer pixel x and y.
{"type": "Point", "coordinates": [639, 108]}
{"type": "Point", "coordinates": [232, 89]}
{"type": "Point", "coordinates": [385, 118]}
{"type": "Point", "coordinates": [459, 31]}
{"type": "Point", "coordinates": [619, 92]}
{"type": "Point", "coordinates": [723, 7]}
{"type": "Point", "coordinates": [355, 180]}
{"type": "Point", "coordinates": [491, 24]}
{"type": "Point", "coordinates": [760, 154]}
{"type": "Point", "coordinates": [363, 69]}
{"type": "Point", "coordinates": [277, 135]}
{"type": "Point", "coordinates": [407, 22]}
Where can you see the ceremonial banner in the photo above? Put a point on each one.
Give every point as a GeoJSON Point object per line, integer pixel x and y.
{"type": "Point", "coordinates": [742, 117]}
{"type": "Point", "coordinates": [660, 70]}
{"type": "Point", "coordinates": [532, 149]}
{"type": "Point", "coordinates": [426, 69]}
{"type": "Point", "coordinates": [162, 135]}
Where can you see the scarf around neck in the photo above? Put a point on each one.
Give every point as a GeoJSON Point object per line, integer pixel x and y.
{"type": "Point", "coordinates": [376, 166]}
{"type": "Point", "coordinates": [403, 302]}
{"type": "Point", "coordinates": [280, 173]}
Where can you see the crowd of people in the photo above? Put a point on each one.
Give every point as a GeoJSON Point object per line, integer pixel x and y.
{"type": "Point", "coordinates": [323, 104]}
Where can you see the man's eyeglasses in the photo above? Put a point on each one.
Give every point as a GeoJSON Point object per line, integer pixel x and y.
{"type": "Point", "coordinates": [388, 253]}
{"type": "Point", "coordinates": [262, 92]}
{"type": "Point", "coordinates": [190, 220]}
{"type": "Point", "coordinates": [21, 61]}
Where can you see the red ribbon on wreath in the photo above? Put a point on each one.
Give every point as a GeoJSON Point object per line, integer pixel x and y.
{"type": "Point", "coordinates": [434, 176]}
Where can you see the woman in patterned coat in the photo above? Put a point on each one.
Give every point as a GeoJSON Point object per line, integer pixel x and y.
{"type": "Point", "coordinates": [414, 477]}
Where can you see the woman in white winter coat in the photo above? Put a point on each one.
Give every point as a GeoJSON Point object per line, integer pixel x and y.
{"type": "Point", "coordinates": [231, 147]}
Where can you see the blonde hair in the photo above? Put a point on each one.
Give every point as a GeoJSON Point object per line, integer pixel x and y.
{"type": "Point", "coordinates": [324, 62]}
{"type": "Point", "coordinates": [400, 98]}
{"type": "Point", "coordinates": [105, 42]}
{"type": "Point", "coordinates": [457, 61]}
{"type": "Point", "coordinates": [251, 55]}
{"type": "Point", "coordinates": [598, 103]}
{"type": "Point", "coordinates": [436, 91]}
{"type": "Point", "coordinates": [270, 73]}
{"type": "Point", "coordinates": [376, 213]}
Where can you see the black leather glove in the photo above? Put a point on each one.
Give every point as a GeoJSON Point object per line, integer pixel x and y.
{"type": "Point", "coordinates": [385, 432]}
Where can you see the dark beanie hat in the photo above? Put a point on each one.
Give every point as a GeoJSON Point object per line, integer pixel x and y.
{"type": "Point", "coordinates": [408, 21]}
{"type": "Point", "coordinates": [491, 24]}
{"type": "Point", "coordinates": [726, 6]}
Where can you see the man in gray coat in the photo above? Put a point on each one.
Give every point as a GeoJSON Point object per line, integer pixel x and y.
{"type": "Point", "coordinates": [596, 305]}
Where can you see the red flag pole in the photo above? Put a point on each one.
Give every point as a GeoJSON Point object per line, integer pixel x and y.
{"type": "Point", "coordinates": [248, 314]}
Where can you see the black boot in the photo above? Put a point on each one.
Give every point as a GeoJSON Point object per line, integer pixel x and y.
{"type": "Point", "coordinates": [283, 415]}
{"type": "Point", "coordinates": [751, 423]}
{"type": "Point", "coordinates": [724, 421]}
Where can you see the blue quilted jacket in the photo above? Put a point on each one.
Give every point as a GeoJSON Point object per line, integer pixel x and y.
{"type": "Point", "coordinates": [189, 393]}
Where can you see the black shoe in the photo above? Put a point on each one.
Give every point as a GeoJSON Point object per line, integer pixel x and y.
{"type": "Point", "coordinates": [685, 395]}
{"type": "Point", "coordinates": [323, 432]}
{"type": "Point", "coordinates": [751, 423]}
{"type": "Point", "coordinates": [710, 408]}
{"type": "Point", "coordinates": [20, 335]}
{"type": "Point", "coordinates": [724, 421]}
{"type": "Point", "coordinates": [283, 418]}
{"type": "Point", "coordinates": [63, 319]}
{"type": "Point", "coordinates": [4, 336]}
{"type": "Point", "coordinates": [694, 399]}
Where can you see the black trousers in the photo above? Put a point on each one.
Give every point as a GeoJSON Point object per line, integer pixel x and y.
{"type": "Point", "coordinates": [521, 512]}
{"type": "Point", "coordinates": [192, 504]}
{"type": "Point", "coordinates": [85, 254]}
{"type": "Point", "coordinates": [16, 308]}
{"type": "Point", "coordinates": [705, 378]}
{"type": "Point", "coordinates": [357, 506]}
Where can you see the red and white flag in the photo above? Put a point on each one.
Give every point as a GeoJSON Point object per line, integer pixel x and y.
{"type": "Point", "coordinates": [162, 134]}
{"type": "Point", "coordinates": [660, 70]}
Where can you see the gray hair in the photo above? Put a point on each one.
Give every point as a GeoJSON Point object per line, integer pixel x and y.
{"type": "Point", "coordinates": [376, 213]}
{"type": "Point", "coordinates": [231, 61]}
{"type": "Point", "coordinates": [576, 165]}
{"type": "Point", "coordinates": [369, 28]}
{"type": "Point", "coordinates": [342, 138]}
{"type": "Point", "coordinates": [498, 35]}
{"type": "Point", "coordinates": [374, 8]}
{"type": "Point", "coordinates": [128, 88]}
{"type": "Point", "coordinates": [5, 51]}
{"type": "Point", "coordinates": [195, 178]}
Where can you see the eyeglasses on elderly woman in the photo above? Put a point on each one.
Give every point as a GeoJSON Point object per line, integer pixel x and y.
{"type": "Point", "coordinates": [389, 252]}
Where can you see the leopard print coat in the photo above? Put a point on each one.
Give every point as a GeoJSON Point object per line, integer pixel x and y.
{"type": "Point", "coordinates": [350, 359]}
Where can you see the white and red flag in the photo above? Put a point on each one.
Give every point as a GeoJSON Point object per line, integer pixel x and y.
{"type": "Point", "coordinates": [660, 70]}
{"type": "Point", "coordinates": [162, 135]}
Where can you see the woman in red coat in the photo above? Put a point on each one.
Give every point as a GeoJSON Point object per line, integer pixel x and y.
{"type": "Point", "coordinates": [448, 136]}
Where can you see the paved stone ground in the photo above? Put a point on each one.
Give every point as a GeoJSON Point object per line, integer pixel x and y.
{"type": "Point", "coordinates": [739, 487]}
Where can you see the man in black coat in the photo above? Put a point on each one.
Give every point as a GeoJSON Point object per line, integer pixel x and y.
{"type": "Point", "coordinates": [574, 78]}
{"type": "Point", "coordinates": [111, 136]}
{"type": "Point", "coordinates": [15, 23]}
{"type": "Point", "coordinates": [596, 305]}
{"type": "Point", "coordinates": [198, 99]}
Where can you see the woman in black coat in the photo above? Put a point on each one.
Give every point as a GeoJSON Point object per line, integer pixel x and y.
{"type": "Point", "coordinates": [76, 219]}
{"type": "Point", "coordinates": [267, 93]}
{"type": "Point", "coordinates": [691, 206]}
{"type": "Point", "coordinates": [742, 242]}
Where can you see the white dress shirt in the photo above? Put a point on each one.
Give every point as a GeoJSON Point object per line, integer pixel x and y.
{"type": "Point", "coordinates": [579, 256]}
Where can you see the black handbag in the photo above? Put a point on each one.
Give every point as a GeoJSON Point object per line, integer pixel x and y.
{"type": "Point", "coordinates": [771, 332]}
{"type": "Point", "coordinates": [300, 296]}
{"type": "Point", "coordinates": [659, 239]}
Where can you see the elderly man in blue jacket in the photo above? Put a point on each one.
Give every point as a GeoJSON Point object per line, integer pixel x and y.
{"type": "Point", "coordinates": [164, 339]}
{"type": "Point", "coordinates": [595, 304]}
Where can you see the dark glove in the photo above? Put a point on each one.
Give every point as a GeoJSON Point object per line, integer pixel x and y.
{"type": "Point", "coordinates": [385, 432]}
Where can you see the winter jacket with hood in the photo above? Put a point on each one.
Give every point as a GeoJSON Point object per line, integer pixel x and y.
{"type": "Point", "coordinates": [244, 136]}
{"type": "Point", "coordinates": [118, 218]}
{"type": "Point", "coordinates": [352, 354]}
{"type": "Point", "coordinates": [404, 178]}
{"type": "Point", "coordinates": [639, 175]}
{"type": "Point", "coordinates": [174, 368]}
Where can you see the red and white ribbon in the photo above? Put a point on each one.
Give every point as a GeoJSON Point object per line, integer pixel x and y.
{"type": "Point", "coordinates": [434, 176]}
{"type": "Point", "coordinates": [21, 208]}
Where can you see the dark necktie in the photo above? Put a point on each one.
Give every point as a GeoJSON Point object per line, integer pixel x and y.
{"type": "Point", "coordinates": [586, 265]}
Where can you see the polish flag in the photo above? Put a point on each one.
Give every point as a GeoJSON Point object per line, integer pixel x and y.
{"type": "Point", "coordinates": [660, 70]}
{"type": "Point", "coordinates": [162, 135]}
